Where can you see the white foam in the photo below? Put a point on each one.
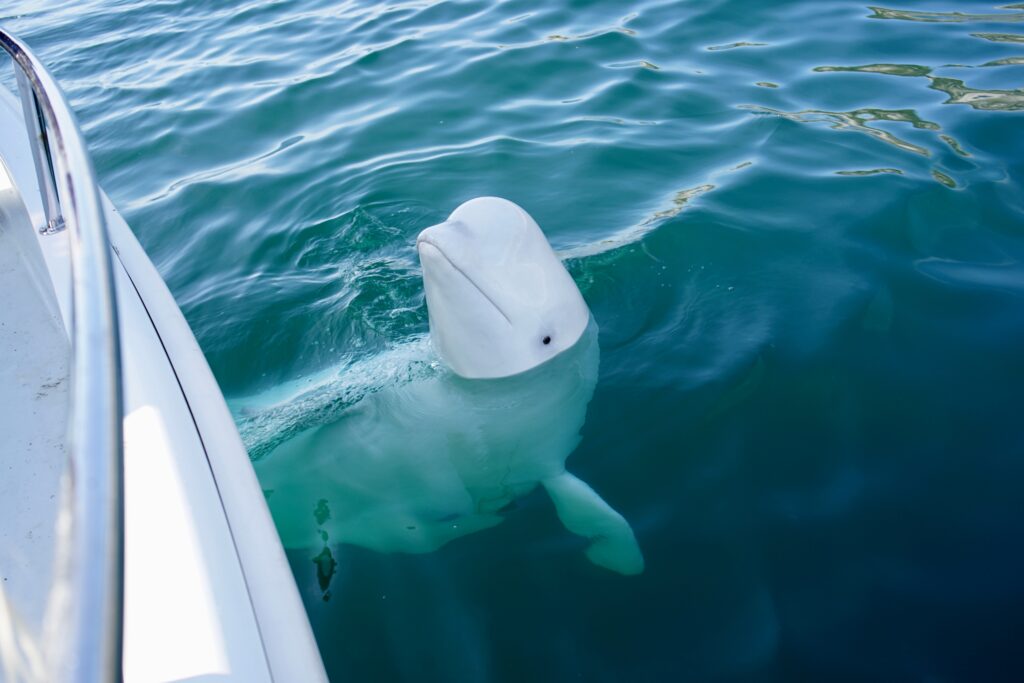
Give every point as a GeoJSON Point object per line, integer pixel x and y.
{"type": "Point", "coordinates": [274, 416]}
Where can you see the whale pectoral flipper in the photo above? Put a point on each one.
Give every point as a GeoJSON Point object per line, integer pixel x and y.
{"type": "Point", "coordinates": [584, 512]}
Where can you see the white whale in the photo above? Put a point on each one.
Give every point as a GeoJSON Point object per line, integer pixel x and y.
{"type": "Point", "coordinates": [414, 466]}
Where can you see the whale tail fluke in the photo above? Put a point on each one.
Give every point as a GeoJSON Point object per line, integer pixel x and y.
{"type": "Point", "coordinates": [583, 512]}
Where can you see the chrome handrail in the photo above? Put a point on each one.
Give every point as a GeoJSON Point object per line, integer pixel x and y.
{"type": "Point", "coordinates": [85, 607]}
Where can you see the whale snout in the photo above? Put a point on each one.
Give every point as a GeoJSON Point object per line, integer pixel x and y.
{"type": "Point", "coordinates": [435, 235]}
{"type": "Point", "coordinates": [424, 236]}
{"type": "Point", "coordinates": [499, 300]}
{"type": "Point", "coordinates": [429, 246]}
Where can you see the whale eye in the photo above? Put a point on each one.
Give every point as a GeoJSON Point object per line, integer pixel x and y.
{"type": "Point", "coordinates": [547, 340]}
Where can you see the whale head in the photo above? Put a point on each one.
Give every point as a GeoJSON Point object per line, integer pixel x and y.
{"type": "Point", "coordinates": [499, 300]}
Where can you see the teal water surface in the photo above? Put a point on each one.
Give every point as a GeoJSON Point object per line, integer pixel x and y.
{"type": "Point", "coordinates": [799, 226]}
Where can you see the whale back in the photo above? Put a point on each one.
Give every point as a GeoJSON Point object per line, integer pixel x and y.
{"type": "Point", "coordinates": [413, 466]}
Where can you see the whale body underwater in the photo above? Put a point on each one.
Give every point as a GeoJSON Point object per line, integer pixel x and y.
{"type": "Point", "coordinates": [414, 466]}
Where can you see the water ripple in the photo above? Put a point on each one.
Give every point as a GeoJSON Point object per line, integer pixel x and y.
{"type": "Point", "coordinates": [801, 258]}
{"type": "Point", "coordinates": [859, 121]}
{"type": "Point", "coordinates": [733, 46]}
{"type": "Point", "coordinates": [988, 100]}
{"type": "Point", "coordinates": [946, 17]}
{"type": "Point", "coordinates": [1000, 37]}
{"type": "Point", "coordinates": [888, 69]}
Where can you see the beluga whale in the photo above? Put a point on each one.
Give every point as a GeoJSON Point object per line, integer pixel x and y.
{"type": "Point", "coordinates": [417, 464]}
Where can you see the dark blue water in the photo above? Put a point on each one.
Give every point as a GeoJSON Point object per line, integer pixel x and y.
{"type": "Point", "coordinates": [799, 226]}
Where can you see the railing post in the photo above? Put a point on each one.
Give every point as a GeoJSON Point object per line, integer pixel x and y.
{"type": "Point", "coordinates": [40, 155]}
{"type": "Point", "coordinates": [83, 626]}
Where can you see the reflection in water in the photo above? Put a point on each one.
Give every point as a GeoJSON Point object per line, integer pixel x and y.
{"type": "Point", "coordinates": [733, 46]}
{"type": "Point", "coordinates": [679, 202]}
{"type": "Point", "coordinates": [640, 63]}
{"type": "Point", "coordinates": [944, 17]}
{"type": "Point", "coordinates": [873, 171]}
{"type": "Point", "coordinates": [1006, 100]}
{"type": "Point", "coordinates": [858, 120]}
{"type": "Point", "coordinates": [1006, 61]}
{"type": "Point", "coordinates": [889, 69]}
{"type": "Point", "coordinates": [990, 100]}
{"type": "Point", "coordinates": [954, 145]}
{"type": "Point", "coordinates": [620, 28]}
{"type": "Point", "coordinates": [636, 232]}
{"type": "Point", "coordinates": [943, 178]}
{"type": "Point", "coordinates": [1000, 37]}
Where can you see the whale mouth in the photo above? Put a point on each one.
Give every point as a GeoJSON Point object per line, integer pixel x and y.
{"type": "Point", "coordinates": [423, 242]}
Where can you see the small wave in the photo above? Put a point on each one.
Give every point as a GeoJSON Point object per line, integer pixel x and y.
{"type": "Point", "coordinates": [1003, 277]}
{"type": "Point", "coordinates": [945, 17]}
{"type": "Point", "coordinates": [637, 64]}
{"type": "Point", "coordinates": [1005, 61]}
{"type": "Point", "coordinates": [887, 69]}
{"type": "Point", "coordinates": [858, 121]}
{"type": "Point", "coordinates": [1000, 37]}
{"type": "Point", "coordinates": [872, 171]}
{"type": "Point", "coordinates": [733, 46]}
{"type": "Point", "coordinates": [270, 418]}
{"type": "Point", "coordinates": [988, 100]}
{"type": "Point", "coordinates": [636, 232]}
{"type": "Point", "coordinates": [954, 145]}
{"type": "Point", "coordinates": [567, 38]}
{"type": "Point", "coordinates": [943, 178]}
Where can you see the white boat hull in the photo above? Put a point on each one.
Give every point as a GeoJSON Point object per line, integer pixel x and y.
{"type": "Point", "coordinates": [208, 593]}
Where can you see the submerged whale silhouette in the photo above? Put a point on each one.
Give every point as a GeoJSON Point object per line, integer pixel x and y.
{"type": "Point", "coordinates": [414, 466]}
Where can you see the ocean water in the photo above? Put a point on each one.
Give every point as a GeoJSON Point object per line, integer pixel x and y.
{"type": "Point", "coordinates": [799, 226]}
